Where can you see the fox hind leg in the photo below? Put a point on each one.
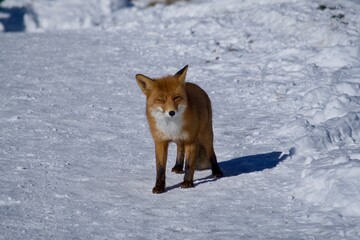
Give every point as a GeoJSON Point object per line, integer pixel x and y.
{"type": "Point", "coordinates": [180, 155]}
{"type": "Point", "coordinates": [206, 140]}
{"type": "Point", "coordinates": [216, 171]}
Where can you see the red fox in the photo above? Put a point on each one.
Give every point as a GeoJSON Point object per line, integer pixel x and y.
{"type": "Point", "coordinates": [180, 112]}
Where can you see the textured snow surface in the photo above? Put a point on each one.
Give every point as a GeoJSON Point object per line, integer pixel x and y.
{"type": "Point", "coordinates": [77, 158]}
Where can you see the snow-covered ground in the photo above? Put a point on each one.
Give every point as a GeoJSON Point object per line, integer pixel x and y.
{"type": "Point", "coordinates": [77, 159]}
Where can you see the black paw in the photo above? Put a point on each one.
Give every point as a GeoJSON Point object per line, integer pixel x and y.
{"type": "Point", "coordinates": [218, 173]}
{"type": "Point", "coordinates": [177, 169]}
{"type": "Point", "coordinates": [158, 189]}
{"type": "Point", "coordinates": [187, 184]}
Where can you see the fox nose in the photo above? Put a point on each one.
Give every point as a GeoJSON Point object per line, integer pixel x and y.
{"type": "Point", "coordinates": [172, 113]}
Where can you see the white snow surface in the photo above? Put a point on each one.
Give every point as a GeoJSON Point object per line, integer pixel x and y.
{"type": "Point", "coordinates": [77, 158]}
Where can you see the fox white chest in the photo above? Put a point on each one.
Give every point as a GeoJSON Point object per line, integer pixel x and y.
{"type": "Point", "coordinates": [169, 128]}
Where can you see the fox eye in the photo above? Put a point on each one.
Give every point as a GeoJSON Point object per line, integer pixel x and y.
{"type": "Point", "coordinates": [177, 98]}
{"type": "Point", "coordinates": [160, 100]}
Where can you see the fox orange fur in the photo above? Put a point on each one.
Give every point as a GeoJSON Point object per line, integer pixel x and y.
{"type": "Point", "coordinates": [180, 112]}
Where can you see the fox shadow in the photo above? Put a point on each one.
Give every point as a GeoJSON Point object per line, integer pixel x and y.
{"type": "Point", "coordinates": [253, 163]}
{"type": "Point", "coordinates": [243, 165]}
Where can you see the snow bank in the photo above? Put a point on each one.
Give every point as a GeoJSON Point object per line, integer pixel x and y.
{"type": "Point", "coordinates": [332, 183]}
{"type": "Point", "coordinates": [330, 180]}
{"type": "Point", "coordinates": [326, 112]}
{"type": "Point", "coordinates": [336, 57]}
{"type": "Point", "coordinates": [328, 126]}
{"type": "Point", "coordinates": [330, 117]}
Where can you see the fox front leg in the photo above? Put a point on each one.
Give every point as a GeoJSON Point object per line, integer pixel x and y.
{"type": "Point", "coordinates": [161, 150]}
{"type": "Point", "coordinates": [180, 155]}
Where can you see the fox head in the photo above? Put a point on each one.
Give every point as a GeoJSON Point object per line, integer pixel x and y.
{"type": "Point", "coordinates": [165, 97]}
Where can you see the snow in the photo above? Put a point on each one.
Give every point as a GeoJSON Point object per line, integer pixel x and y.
{"type": "Point", "coordinates": [65, 15]}
{"type": "Point", "coordinates": [77, 158]}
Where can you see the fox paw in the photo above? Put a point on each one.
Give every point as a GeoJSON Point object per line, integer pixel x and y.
{"type": "Point", "coordinates": [187, 184]}
{"type": "Point", "coordinates": [177, 169]}
{"type": "Point", "coordinates": [217, 173]}
{"type": "Point", "coordinates": [158, 189]}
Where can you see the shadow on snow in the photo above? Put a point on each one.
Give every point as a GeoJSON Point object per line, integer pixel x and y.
{"type": "Point", "coordinates": [15, 21]}
{"type": "Point", "coordinates": [253, 163]}
{"type": "Point", "coordinates": [242, 165]}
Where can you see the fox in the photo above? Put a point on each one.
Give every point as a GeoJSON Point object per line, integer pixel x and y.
{"type": "Point", "coordinates": [179, 112]}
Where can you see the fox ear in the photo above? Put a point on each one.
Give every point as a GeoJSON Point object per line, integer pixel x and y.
{"type": "Point", "coordinates": [180, 75]}
{"type": "Point", "coordinates": [145, 83]}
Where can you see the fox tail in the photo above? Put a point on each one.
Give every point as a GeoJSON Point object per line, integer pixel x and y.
{"type": "Point", "coordinates": [203, 160]}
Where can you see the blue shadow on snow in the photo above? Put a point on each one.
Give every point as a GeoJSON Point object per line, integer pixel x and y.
{"type": "Point", "coordinates": [15, 21]}
{"type": "Point", "coordinates": [253, 163]}
{"type": "Point", "coordinates": [242, 165]}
